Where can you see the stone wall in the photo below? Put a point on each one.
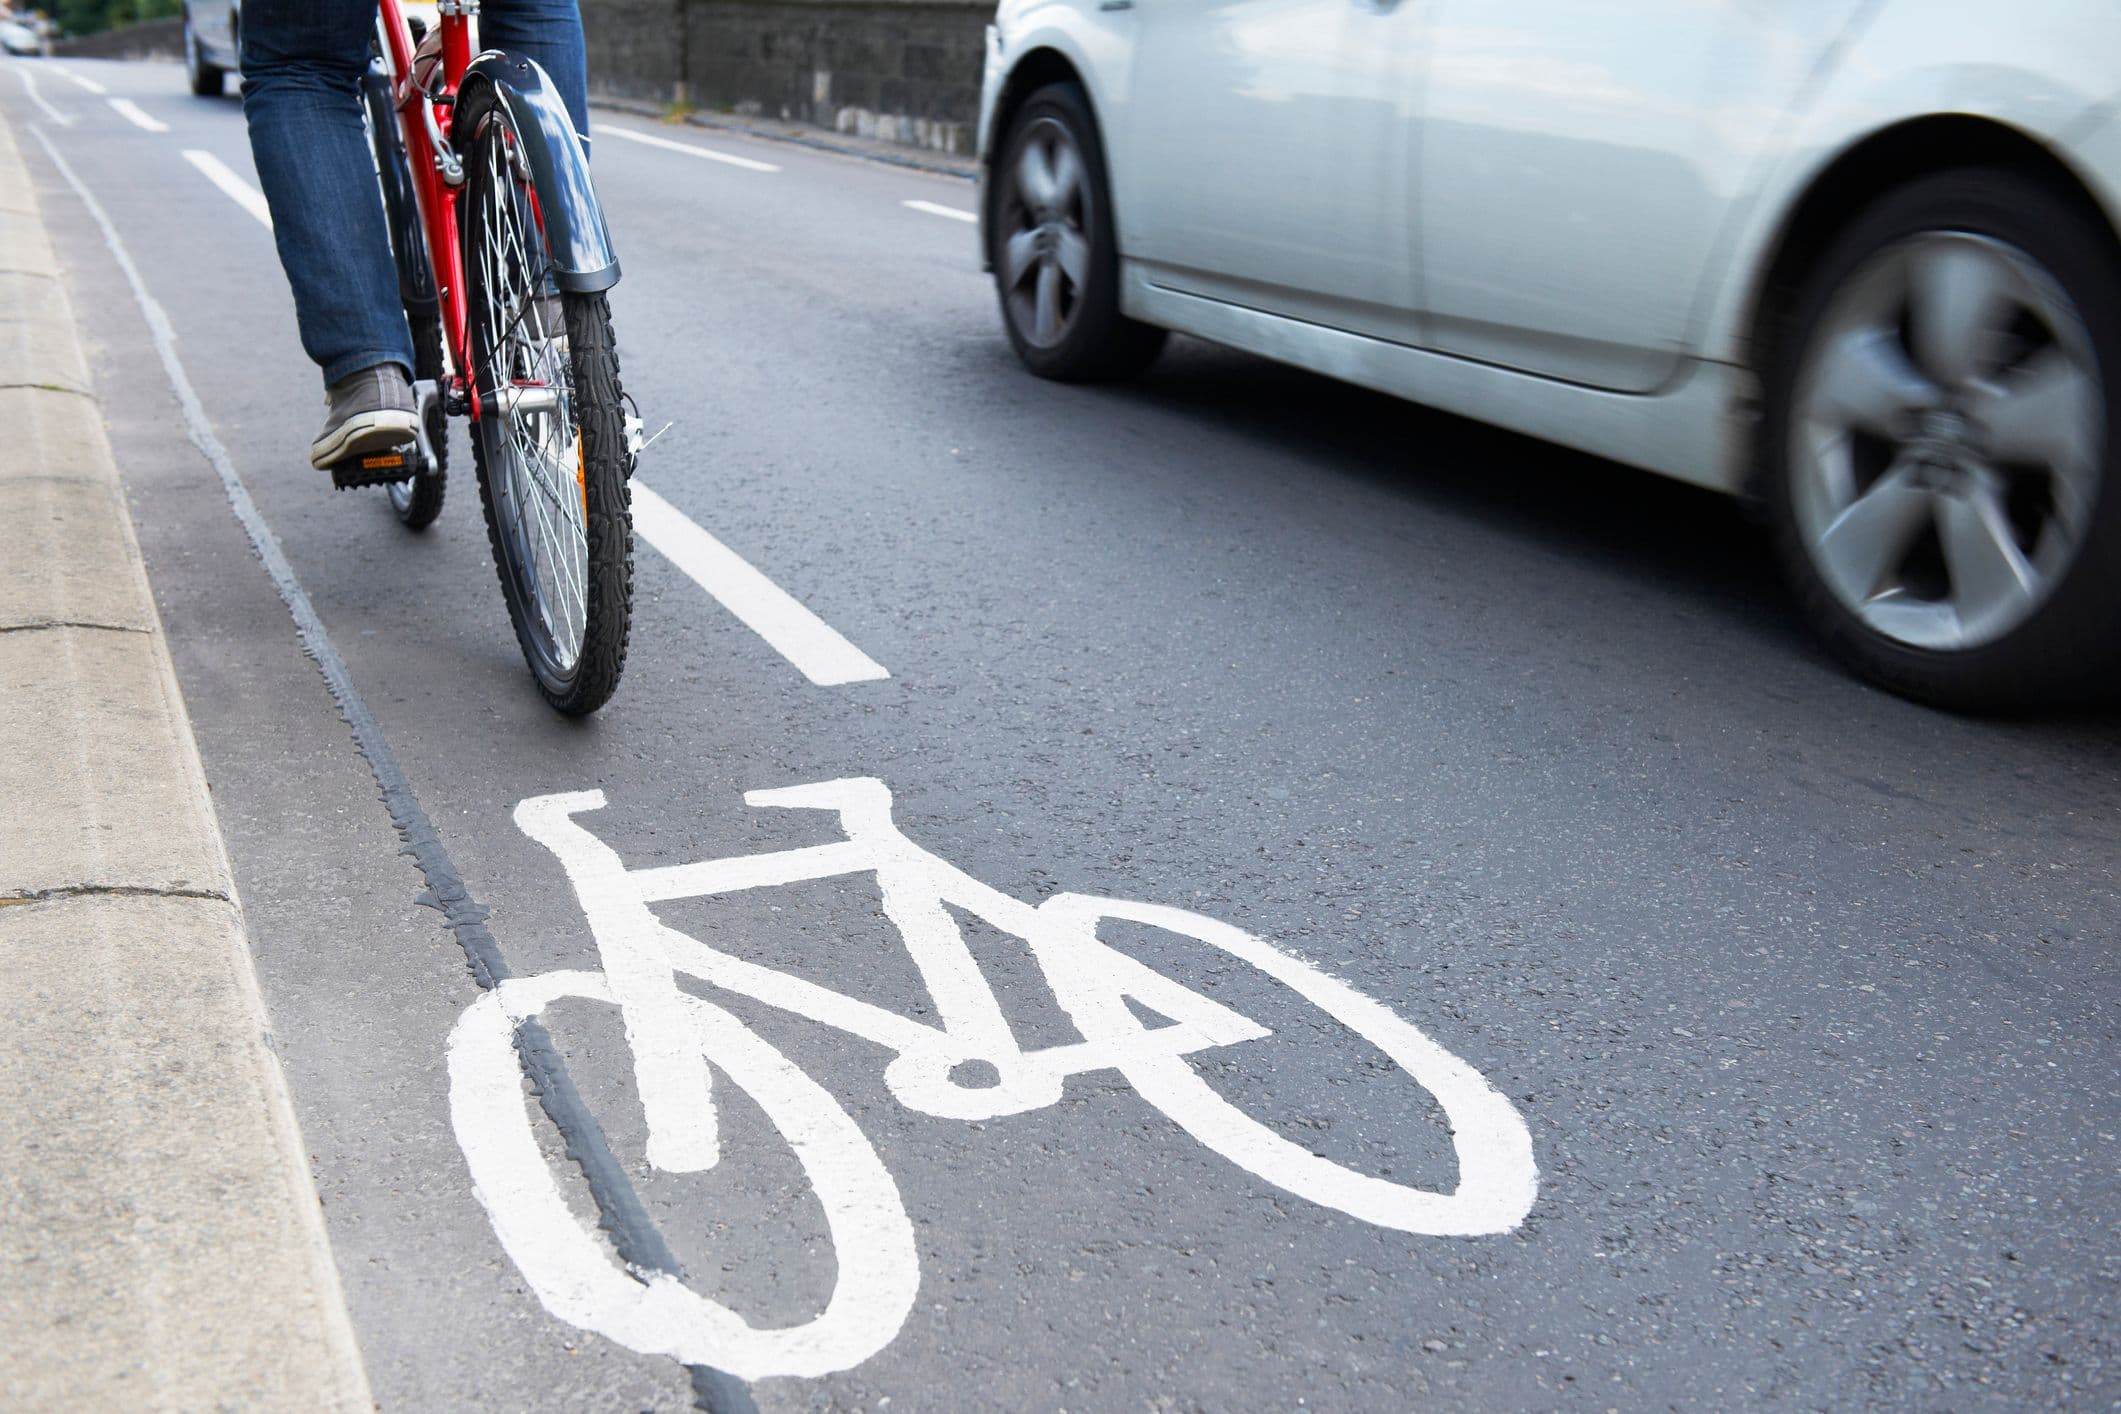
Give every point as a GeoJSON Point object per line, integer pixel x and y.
{"type": "Point", "coordinates": [150, 39]}
{"type": "Point", "coordinates": [636, 48]}
{"type": "Point", "coordinates": [904, 70]}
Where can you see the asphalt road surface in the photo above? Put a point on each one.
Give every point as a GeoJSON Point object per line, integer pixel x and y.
{"type": "Point", "coordinates": [1799, 999]}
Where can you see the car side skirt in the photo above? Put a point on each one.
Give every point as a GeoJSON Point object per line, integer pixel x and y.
{"type": "Point", "coordinates": [1694, 428]}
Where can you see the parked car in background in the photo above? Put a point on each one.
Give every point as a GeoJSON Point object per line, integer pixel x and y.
{"type": "Point", "coordinates": [212, 30]}
{"type": "Point", "coordinates": [20, 37]}
{"type": "Point", "coordinates": [1855, 258]}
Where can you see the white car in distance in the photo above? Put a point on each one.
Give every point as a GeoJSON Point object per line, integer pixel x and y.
{"type": "Point", "coordinates": [1855, 258]}
{"type": "Point", "coordinates": [19, 37]}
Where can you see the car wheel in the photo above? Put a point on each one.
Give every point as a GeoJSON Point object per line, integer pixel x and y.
{"type": "Point", "coordinates": [206, 79]}
{"type": "Point", "coordinates": [1939, 444]}
{"type": "Point", "coordinates": [1056, 259]}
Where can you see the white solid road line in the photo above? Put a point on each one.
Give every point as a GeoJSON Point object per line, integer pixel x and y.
{"type": "Point", "coordinates": [30, 84]}
{"type": "Point", "coordinates": [132, 113]}
{"type": "Point", "coordinates": [814, 646]}
{"type": "Point", "coordinates": [936, 209]}
{"type": "Point", "coordinates": [690, 148]}
{"type": "Point", "coordinates": [71, 77]}
{"type": "Point", "coordinates": [241, 192]}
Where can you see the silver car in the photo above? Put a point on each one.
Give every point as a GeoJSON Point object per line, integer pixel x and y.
{"type": "Point", "coordinates": [211, 44]}
{"type": "Point", "coordinates": [1854, 258]}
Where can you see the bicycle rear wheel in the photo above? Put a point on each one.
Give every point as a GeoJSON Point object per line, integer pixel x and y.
{"type": "Point", "coordinates": [418, 499]}
{"type": "Point", "coordinates": [549, 434]}
{"type": "Point", "coordinates": [576, 1272]}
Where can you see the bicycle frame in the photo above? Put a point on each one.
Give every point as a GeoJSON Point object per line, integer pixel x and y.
{"type": "Point", "coordinates": [543, 148]}
{"type": "Point", "coordinates": [437, 174]}
{"type": "Point", "coordinates": [918, 892]}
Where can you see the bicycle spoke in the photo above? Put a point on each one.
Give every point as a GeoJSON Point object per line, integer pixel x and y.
{"type": "Point", "coordinates": [526, 348]}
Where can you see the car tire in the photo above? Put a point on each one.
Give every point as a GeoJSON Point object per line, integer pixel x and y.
{"type": "Point", "coordinates": [1939, 452]}
{"type": "Point", "coordinates": [1053, 248]}
{"type": "Point", "coordinates": [207, 79]}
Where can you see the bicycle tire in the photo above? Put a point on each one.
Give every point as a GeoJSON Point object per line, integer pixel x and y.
{"type": "Point", "coordinates": [576, 1273]}
{"type": "Point", "coordinates": [417, 500]}
{"type": "Point", "coordinates": [577, 668]}
{"type": "Point", "coordinates": [1497, 1176]}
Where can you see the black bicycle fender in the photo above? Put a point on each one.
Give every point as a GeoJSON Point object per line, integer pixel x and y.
{"type": "Point", "coordinates": [408, 241]}
{"type": "Point", "coordinates": [575, 235]}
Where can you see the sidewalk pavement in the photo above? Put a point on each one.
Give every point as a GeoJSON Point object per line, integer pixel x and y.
{"type": "Point", "coordinates": [161, 1241]}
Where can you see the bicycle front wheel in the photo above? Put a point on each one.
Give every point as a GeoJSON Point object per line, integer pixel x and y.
{"type": "Point", "coordinates": [549, 433]}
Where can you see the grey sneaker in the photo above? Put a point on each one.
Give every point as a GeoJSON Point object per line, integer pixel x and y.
{"type": "Point", "coordinates": [369, 411]}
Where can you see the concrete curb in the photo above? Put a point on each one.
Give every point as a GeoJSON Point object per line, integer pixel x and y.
{"type": "Point", "coordinates": [162, 1245]}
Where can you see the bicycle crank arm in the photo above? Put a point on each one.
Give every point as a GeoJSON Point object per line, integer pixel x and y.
{"type": "Point", "coordinates": [425, 393]}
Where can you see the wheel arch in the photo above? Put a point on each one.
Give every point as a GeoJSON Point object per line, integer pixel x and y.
{"type": "Point", "coordinates": [1037, 68]}
{"type": "Point", "coordinates": [1862, 173]}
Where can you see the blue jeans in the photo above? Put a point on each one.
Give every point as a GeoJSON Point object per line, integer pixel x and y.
{"type": "Point", "coordinates": [302, 63]}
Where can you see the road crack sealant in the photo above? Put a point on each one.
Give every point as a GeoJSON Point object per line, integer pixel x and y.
{"type": "Point", "coordinates": [47, 625]}
{"type": "Point", "coordinates": [620, 1213]}
{"type": "Point", "coordinates": [47, 387]}
{"type": "Point", "coordinates": [66, 891]}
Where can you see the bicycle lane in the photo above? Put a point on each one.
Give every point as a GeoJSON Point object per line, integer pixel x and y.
{"type": "Point", "coordinates": [189, 535]}
{"type": "Point", "coordinates": [145, 196]}
{"type": "Point", "coordinates": [992, 677]}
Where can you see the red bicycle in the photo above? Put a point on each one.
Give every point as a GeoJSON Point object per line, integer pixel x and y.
{"type": "Point", "coordinates": [503, 263]}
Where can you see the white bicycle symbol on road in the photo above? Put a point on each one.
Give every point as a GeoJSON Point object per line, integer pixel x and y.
{"type": "Point", "coordinates": [680, 1040]}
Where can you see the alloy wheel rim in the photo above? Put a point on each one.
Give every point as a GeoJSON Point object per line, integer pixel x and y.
{"type": "Point", "coordinates": [1044, 259]}
{"type": "Point", "coordinates": [531, 434]}
{"type": "Point", "coordinates": [1948, 440]}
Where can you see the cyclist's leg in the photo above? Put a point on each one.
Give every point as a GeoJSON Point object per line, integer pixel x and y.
{"type": "Point", "coordinates": [302, 64]}
{"type": "Point", "coordinates": [549, 31]}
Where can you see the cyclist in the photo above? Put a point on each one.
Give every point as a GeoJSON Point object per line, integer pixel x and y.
{"type": "Point", "coordinates": [302, 64]}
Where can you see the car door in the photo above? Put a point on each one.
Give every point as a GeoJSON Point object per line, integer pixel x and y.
{"type": "Point", "coordinates": [1265, 156]}
{"type": "Point", "coordinates": [1578, 162]}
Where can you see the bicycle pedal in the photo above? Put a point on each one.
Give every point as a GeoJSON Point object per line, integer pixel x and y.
{"type": "Point", "coordinates": [374, 469]}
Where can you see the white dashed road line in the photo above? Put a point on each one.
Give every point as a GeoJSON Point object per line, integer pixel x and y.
{"type": "Point", "coordinates": [71, 77]}
{"type": "Point", "coordinates": [937, 209]}
{"type": "Point", "coordinates": [133, 113]}
{"type": "Point", "coordinates": [816, 648]}
{"type": "Point", "coordinates": [239, 191]}
{"type": "Point", "coordinates": [690, 148]}
{"type": "Point", "coordinates": [29, 84]}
